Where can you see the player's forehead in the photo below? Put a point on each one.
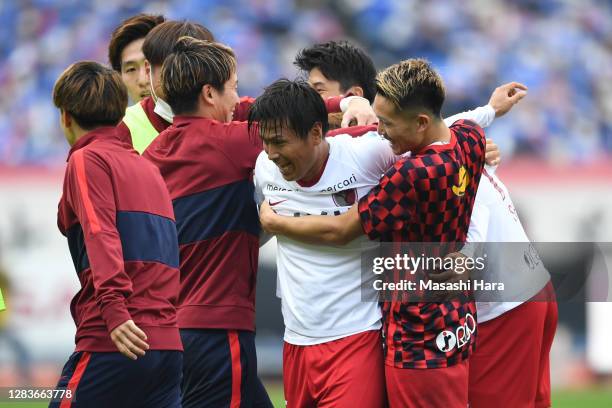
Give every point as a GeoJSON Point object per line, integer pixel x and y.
{"type": "Point", "coordinates": [383, 107]}
{"type": "Point", "coordinates": [132, 53]}
{"type": "Point", "coordinates": [316, 78]}
{"type": "Point", "coordinates": [233, 79]}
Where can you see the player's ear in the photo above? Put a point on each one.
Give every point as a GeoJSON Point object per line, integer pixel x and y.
{"type": "Point", "coordinates": [65, 118]}
{"type": "Point", "coordinates": [316, 133]}
{"type": "Point", "coordinates": [147, 66]}
{"type": "Point", "coordinates": [355, 90]}
{"type": "Point", "coordinates": [207, 94]}
{"type": "Point", "coordinates": [423, 122]}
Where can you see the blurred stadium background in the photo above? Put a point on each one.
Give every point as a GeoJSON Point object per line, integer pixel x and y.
{"type": "Point", "coordinates": [556, 145]}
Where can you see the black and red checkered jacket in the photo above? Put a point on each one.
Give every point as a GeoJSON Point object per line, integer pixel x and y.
{"type": "Point", "coordinates": [415, 202]}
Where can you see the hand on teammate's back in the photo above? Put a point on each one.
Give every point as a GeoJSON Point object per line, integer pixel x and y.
{"type": "Point", "coordinates": [359, 109]}
{"type": "Point", "coordinates": [505, 96]}
{"type": "Point", "coordinates": [130, 340]}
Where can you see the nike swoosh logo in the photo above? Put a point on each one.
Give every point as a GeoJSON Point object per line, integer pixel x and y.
{"type": "Point", "coordinates": [275, 203]}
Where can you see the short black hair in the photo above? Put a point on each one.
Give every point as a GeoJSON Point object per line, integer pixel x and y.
{"type": "Point", "coordinates": [292, 103]}
{"type": "Point", "coordinates": [342, 62]}
{"type": "Point", "coordinates": [130, 30]}
{"type": "Point", "coordinates": [160, 41]}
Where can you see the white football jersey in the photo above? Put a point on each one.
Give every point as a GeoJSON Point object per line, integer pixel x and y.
{"type": "Point", "coordinates": [321, 286]}
{"type": "Point", "coordinates": [495, 221]}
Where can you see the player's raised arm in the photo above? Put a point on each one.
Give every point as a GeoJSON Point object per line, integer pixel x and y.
{"type": "Point", "coordinates": [503, 98]}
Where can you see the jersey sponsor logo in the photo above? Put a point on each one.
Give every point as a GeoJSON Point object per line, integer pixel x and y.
{"type": "Point", "coordinates": [342, 184]}
{"type": "Point", "coordinates": [464, 179]}
{"type": "Point", "coordinates": [272, 187]}
{"type": "Point", "coordinates": [345, 198]}
{"type": "Point", "coordinates": [448, 340]}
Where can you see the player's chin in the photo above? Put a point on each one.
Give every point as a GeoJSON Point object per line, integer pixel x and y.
{"type": "Point", "coordinates": [287, 171]}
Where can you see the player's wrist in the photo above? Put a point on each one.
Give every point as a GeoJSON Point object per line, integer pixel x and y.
{"type": "Point", "coordinates": [269, 221]}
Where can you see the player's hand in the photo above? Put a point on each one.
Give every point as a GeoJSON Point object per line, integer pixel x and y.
{"type": "Point", "coordinates": [504, 97]}
{"type": "Point", "coordinates": [359, 110]}
{"type": "Point", "coordinates": [492, 155]}
{"type": "Point", "coordinates": [130, 340]}
{"type": "Point", "coordinates": [449, 276]}
{"type": "Point", "coordinates": [267, 217]}
{"type": "Point", "coordinates": [335, 120]}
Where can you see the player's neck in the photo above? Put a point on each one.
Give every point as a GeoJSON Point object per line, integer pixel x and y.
{"type": "Point", "coordinates": [205, 111]}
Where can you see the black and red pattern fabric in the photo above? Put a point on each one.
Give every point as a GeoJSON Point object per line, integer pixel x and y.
{"type": "Point", "coordinates": [428, 197]}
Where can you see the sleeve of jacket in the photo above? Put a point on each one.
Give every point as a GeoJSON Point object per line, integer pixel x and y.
{"type": "Point", "coordinates": [241, 112]}
{"type": "Point", "coordinates": [242, 145]}
{"type": "Point", "coordinates": [91, 195]}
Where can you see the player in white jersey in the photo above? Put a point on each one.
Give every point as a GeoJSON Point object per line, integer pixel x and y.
{"type": "Point", "coordinates": [327, 308]}
{"type": "Point", "coordinates": [516, 325]}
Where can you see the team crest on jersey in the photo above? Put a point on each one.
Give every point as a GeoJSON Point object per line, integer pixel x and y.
{"type": "Point", "coordinates": [345, 198]}
{"type": "Point", "coordinates": [464, 179]}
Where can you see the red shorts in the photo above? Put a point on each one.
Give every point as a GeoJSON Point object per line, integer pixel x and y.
{"type": "Point", "coordinates": [428, 387]}
{"type": "Point", "coordinates": [510, 367]}
{"type": "Point", "coordinates": [345, 373]}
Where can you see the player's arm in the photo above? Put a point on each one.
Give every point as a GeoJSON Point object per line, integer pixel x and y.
{"type": "Point", "coordinates": [313, 229]}
{"type": "Point", "coordinates": [241, 111]}
{"type": "Point", "coordinates": [90, 194]}
{"type": "Point", "coordinates": [503, 98]}
{"type": "Point", "coordinates": [370, 216]}
{"type": "Point", "coordinates": [259, 197]}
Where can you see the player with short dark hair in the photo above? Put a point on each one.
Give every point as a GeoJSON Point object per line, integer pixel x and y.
{"type": "Point", "coordinates": [332, 344]}
{"type": "Point", "coordinates": [338, 68]}
{"type": "Point", "coordinates": [128, 346]}
{"type": "Point", "coordinates": [146, 119]}
{"type": "Point", "coordinates": [408, 103]}
{"type": "Point", "coordinates": [126, 56]}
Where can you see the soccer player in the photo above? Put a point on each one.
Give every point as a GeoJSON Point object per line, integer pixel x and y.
{"type": "Point", "coordinates": [510, 367]}
{"type": "Point", "coordinates": [408, 102]}
{"type": "Point", "coordinates": [125, 53]}
{"type": "Point", "coordinates": [146, 119]}
{"type": "Point", "coordinates": [128, 347]}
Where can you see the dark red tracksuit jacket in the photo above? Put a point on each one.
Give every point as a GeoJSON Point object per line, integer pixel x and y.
{"type": "Point", "coordinates": [208, 167]}
{"type": "Point", "coordinates": [116, 213]}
